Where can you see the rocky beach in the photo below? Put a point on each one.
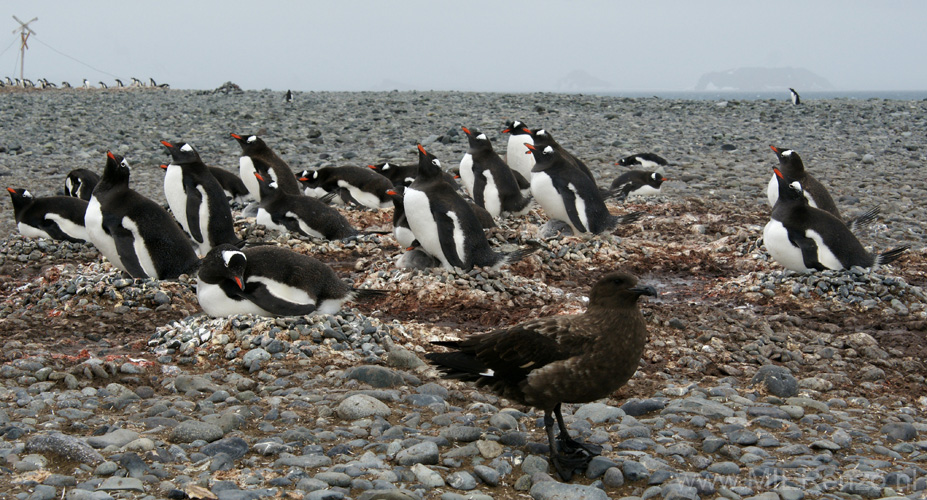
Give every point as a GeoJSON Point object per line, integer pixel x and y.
{"type": "Point", "coordinates": [756, 383]}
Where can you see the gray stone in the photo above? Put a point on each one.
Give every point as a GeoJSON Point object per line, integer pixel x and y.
{"type": "Point", "coordinates": [534, 463]}
{"type": "Point", "coordinates": [461, 480]}
{"type": "Point", "coordinates": [867, 490]}
{"type": "Point", "coordinates": [65, 446]}
{"type": "Point", "coordinates": [634, 471]}
{"type": "Point", "coordinates": [637, 407]}
{"type": "Point", "coordinates": [186, 383]}
{"type": "Point", "coordinates": [778, 380]}
{"type": "Point", "coordinates": [133, 464]}
{"type": "Point", "coordinates": [253, 355]}
{"type": "Point", "coordinates": [360, 406]}
{"type": "Point", "coordinates": [189, 431]}
{"type": "Point", "coordinates": [304, 461]}
{"type": "Point", "coordinates": [121, 484]}
{"type": "Point", "coordinates": [553, 490]}
{"type": "Point", "coordinates": [464, 433]}
{"type": "Point", "coordinates": [42, 492]}
{"type": "Point", "coordinates": [118, 438]}
{"type": "Point", "coordinates": [769, 495]}
{"type": "Point", "coordinates": [900, 431]}
{"type": "Point", "coordinates": [790, 493]}
{"type": "Point", "coordinates": [488, 475]}
{"type": "Point", "coordinates": [375, 376]}
{"type": "Point", "coordinates": [598, 413]}
{"type": "Point", "coordinates": [678, 491]}
{"type": "Point", "coordinates": [724, 468]}
{"type": "Point", "coordinates": [427, 477]}
{"type": "Point", "coordinates": [700, 406]}
{"type": "Point", "coordinates": [403, 358]}
{"type": "Point", "coordinates": [425, 452]}
{"type": "Point", "coordinates": [613, 478]}
{"type": "Point", "coordinates": [234, 447]}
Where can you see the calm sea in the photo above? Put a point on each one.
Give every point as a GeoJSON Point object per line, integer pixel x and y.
{"type": "Point", "coordinates": [904, 95]}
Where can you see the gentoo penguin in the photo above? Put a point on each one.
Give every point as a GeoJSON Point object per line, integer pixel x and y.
{"type": "Point", "coordinates": [542, 138]}
{"type": "Point", "coordinates": [650, 161]}
{"type": "Point", "coordinates": [355, 185]}
{"type": "Point", "coordinates": [516, 154]}
{"type": "Point", "coordinates": [803, 238]}
{"type": "Point", "coordinates": [270, 281]}
{"type": "Point", "coordinates": [80, 183]}
{"type": "Point", "coordinates": [443, 223]}
{"type": "Point", "coordinates": [637, 183]}
{"type": "Point", "coordinates": [401, 230]}
{"type": "Point", "coordinates": [299, 214]}
{"type": "Point", "coordinates": [288, 97]}
{"type": "Point", "coordinates": [548, 361]}
{"type": "Point", "coordinates": [403, 175]}
{"type": "Point", "coordinates": [65, 85]}
{"type": "Point", "coordinates": [568, 195]}
{"type": "Point", "coordinates": [103, 85]}
{"type": "Point", "coordinates": [197, 199]}
{"type": "Point", "coordinates": [87, 84]}
{"type": "Point", "coordinates": [791, 166]}
{"type": "Point", "coordinates": [119, 84]}
{"type": "Point", "coordinates": [135, 233]}
{"type": "Point", "coordinates": [256, 156]}
{"type": "Point", "coordinates": [232, 184]}
{"type": "Point", "coordinates": [796, 99]}
{"type": "Point", "coordinates": [53, 217]}
{"type": "Point", "coordinates": [488, 180]}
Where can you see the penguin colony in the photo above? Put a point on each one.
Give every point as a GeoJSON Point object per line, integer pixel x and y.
{"type": "Point", "coordinates": [542, 363]}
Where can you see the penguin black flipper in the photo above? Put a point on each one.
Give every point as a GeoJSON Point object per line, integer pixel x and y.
{"type": "Point", "coordinates": [809, 251]}
{"type": "Point", "coordinates": [125, 246]}
{"type": "Point", "coordinates": [263, 298]}
{"type": "Point", "coordinates": [194, 200]}
{"type": "Point", "coordinates": [523, 183]}
{"type": "Point", "coordinates": [479, 185]}
{"type": "Point", "coordinates": [569, 202]}
{"type": "Point", "coordinates": [446, 229]}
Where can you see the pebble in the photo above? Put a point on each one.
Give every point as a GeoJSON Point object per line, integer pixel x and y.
{"type": "Point", "coordinates": [268, 397]}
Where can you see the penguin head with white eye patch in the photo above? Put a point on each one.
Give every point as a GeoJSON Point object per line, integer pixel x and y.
{"type": "Point", "coordinates": [224, 263]}
{"type": "Point", "coordinates": [516, 127]}
{"type": "Point", "coordinates": [266, 184]}
{"type": "Point", "coordinates": [789, 188]}
{"type": "Point", "coordinates": [790, 163]}
{"type": "Point", "coordinates": [476, 139]}
{"type": "Point", "coordinates": [543, 156]}
{"type": "Point", "coordinates": [116, 170]}
{"type": "Point", "coordinates": [182, 153]}
{"type": "Point", "coordinates": [20, 197]}
{"type": "Point", "coordinates": [250, 144]}
{"type": "Point", "coordinates": [429, 166]}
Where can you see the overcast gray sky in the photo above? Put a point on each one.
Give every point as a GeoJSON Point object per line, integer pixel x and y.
{"type": "Point", "coordinates": [465, 44]}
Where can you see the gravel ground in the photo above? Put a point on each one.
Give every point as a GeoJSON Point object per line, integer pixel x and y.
{"type": "Point", "coordinates": [756, 383]}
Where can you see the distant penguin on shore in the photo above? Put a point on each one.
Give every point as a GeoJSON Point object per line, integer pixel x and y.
{"type": "Point", "coordinates": [649, 161]}
{"type": "Point", "coordinates": [796, 99]}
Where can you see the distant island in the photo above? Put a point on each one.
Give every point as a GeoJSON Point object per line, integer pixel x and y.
{"type": "Point", "coordinates": [756, 79]}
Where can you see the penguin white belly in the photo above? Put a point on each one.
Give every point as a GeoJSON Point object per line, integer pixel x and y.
{"type": "Point", "coordinates": [645, 190]}
{"type": "Point", "coordinates": [305, 228]}
{"type": "Point", "coordinates": [491, 201]}
{"type": "Point", "coordinates": [282, 291]}
{"type": "Point", "coordinates": [517, 157]}
{"type": "Point", "coordinates": [145, 259]}
{"type": "Point", "coordinates": [68, 227]}
{"type": "Point", "coordinates": [93, 221]}
{"type": "Point", "coordinates": [825, 256]}
{"type": "Point", "coordinates": [580, 207]}
{"type": "Point", "coordinates": [549, 199]}
{"type": "Point", "coordinates": [772, 191]}
{"type": "Point", "coordinates": [246, 172]}
{"type": "Point", "coordinates": [776, 241]}
{"type": "Point", "coordinates": [423, 224]}
{"type": "Point", "coordinates": [365, 198]}
{"type": "Point", "coordinates": [648, 165]}
{"type": "Point", "coordinates": [206, 245]}
{"type": "Point", "coordinates": [330, 306]}
{"type": "Point", "coordinates": [263, 218]}
{"type": "Point", "coordinates": [466, 173]}
{"type": "Point", "coordinates": [176, 196]}
{"type": "Point", "coordinates": [216, 303]}
{"type": "Point", "coordinates": [317, 192]}
{"type": "Point", "coordinates": [32, 232]}
{"type": "Point", "coordinates": [403, 236]}
{"type": "Point", "coordinates": [459, 237]}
